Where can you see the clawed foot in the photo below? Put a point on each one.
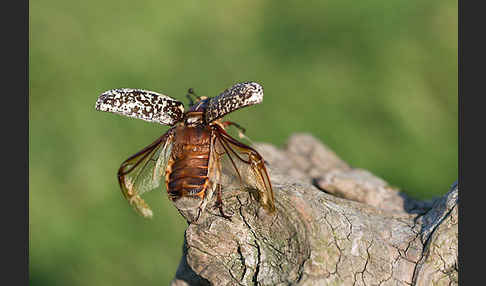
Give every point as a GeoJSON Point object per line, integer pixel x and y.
{"type": "Point", "coordinates": [219, 205]}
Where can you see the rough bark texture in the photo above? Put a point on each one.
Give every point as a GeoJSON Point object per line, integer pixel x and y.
{"type": "Point", "coordinates": [334, 225]}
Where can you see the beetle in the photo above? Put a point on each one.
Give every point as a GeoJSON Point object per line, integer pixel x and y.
{"type": "Point", "coordinates": [196, 156]}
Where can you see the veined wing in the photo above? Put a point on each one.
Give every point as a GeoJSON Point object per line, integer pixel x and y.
{"type": "Point", "coordinates": [233, 163]}
{"type": "Point", "coordinates": [142, 104]}
{"type": "Point", "coordinates": [143, 172]}
{"type": "Point", "coordinates": [236, 97]}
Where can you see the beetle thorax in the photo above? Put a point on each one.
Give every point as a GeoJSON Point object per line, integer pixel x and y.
{"type": "Point", "coordinates": [193, 119]}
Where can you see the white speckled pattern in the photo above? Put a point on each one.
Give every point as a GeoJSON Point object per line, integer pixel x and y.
{"type": "Point", "coordinates": [238, 96]}
{"type": "Point", "coordinates": [142, 104]}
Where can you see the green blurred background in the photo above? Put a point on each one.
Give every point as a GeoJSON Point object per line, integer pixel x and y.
{"type": "Point", "coordinates": [374, 80]}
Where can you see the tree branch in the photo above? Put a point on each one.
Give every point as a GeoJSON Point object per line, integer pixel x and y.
{"type": "Point", "coordinates": [334, 225]}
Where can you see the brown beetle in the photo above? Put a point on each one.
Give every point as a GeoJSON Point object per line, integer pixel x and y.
{"type": "Point", "coordinates": [196, 156]}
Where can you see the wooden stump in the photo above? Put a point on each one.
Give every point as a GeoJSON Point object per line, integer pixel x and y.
{"type": "Point", "coordinates": [334, 225]}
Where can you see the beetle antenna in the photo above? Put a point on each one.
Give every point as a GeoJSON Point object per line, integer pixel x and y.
{"type": "Point", "coordinates": [190, 92]}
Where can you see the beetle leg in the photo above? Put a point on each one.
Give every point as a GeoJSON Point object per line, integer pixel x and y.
{"type": "Point", "coordinates": [241, 130]}
{"type": "Point", "coordinates": [228, 123]}
{"type": "Point", "coordinates": [198, 215]}
{"type": "Point", "coordinates": [219, 203]}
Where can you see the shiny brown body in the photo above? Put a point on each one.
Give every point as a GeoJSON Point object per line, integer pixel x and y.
{"type": "Point", "coordinates": [187, 168]}
{"type": "Point", "coordinates": [196, 155]}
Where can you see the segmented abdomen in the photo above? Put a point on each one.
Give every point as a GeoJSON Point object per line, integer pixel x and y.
{"type": "Point", "coordinates": [188, 171]}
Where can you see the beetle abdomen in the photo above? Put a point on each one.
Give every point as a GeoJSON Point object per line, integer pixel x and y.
{"type": "Point", "coordinates": [188, 176]}
{"type": "Point", "coordinates": [187, 171]}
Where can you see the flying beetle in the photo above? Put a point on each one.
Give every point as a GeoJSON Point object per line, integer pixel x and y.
{"type": "Point", "coordinates": [196, 156]}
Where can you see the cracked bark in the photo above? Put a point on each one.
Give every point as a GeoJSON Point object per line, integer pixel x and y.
{"type": "Point", "coordinates": [334, 225]}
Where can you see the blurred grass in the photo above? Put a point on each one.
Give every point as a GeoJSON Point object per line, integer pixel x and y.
{"type": "Point", "coordinates": [374, 80]}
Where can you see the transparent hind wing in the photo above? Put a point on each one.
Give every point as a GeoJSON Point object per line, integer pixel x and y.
{"type": "Point", "coordinates": [234, 164]}
{"type": "Point", "coordinates": [144, 172]}
{"type": "Point", "coordinates": [142, 104]}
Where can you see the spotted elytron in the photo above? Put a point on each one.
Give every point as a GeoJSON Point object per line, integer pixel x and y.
{"type": "Point", "coordinates": [196, 156]}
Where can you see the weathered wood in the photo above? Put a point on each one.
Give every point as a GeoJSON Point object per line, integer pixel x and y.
{"type": "Point", "coordinates": [334, 225]}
